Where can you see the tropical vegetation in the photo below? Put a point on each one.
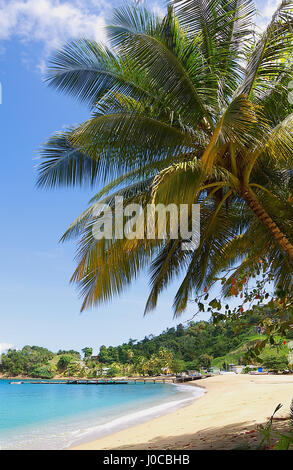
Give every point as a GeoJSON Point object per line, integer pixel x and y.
{"type": "Point", "coordinates": [189, 108]}
{"type": "Point", "coordinates": [194, 346]}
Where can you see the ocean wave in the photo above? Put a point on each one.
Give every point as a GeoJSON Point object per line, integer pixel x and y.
{"type": "Point", "coordinates": [83, 427]}
{"type": "Point", "coordinates": [141, 416]}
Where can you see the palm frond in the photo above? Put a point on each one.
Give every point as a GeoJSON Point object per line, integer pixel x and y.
{"type": "Point", "coordinates": [242, 124]}
{"type": "Point", "coordinates": [168, 264]}
{"type": "Point", "coordinates": [279, 144]}
{"type": "Point", "coordinates": [63, 164]}
{"type": "Point", "coordinates": [130, 193]}
{"type": "Point", "coordinates": [223, 29]}
{"type": "Point", "coordinates": [188, 108]}
{"type": "Point", "coordinates": [124, 138]}
{"type": "Point", "coordinates": [217, 226]}
{"type": "Point", "coordinates": [88, 71]}
{"type": "Point", "coordinates": [170, 59]}
{"type": "Point", "coordinates": [271, 55]}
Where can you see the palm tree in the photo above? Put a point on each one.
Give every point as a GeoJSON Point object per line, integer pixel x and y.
{"type": "Point", "coordinates": [190, 108]}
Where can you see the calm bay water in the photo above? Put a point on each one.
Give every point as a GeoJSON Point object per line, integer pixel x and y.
{"type": "Point", "coordinates": [57, 416]}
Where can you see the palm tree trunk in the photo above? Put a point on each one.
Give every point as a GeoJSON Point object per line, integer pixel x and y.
{"type": "Point", "coordinates": [263, 216]}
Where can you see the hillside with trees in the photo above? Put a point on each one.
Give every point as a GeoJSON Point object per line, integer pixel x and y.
{"type": "Point", "coordinates": [198, 345]}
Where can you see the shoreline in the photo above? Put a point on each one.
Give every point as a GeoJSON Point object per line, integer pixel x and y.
{"type": "Point", "coordinates": [87, 424]}
{"type": "Point", "coordinates": [142, 415]}
{"type": "Point", "coordinates": [223, 418]}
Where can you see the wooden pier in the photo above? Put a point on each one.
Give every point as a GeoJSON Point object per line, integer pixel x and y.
{"type": "Point", "coordinates": [80, 382]}
{"type": "Point", "coordinates": [133, 380]}
{"type": "Point", "coordinates": [173, 380]}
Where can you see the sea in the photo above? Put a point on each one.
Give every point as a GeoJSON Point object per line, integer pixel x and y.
{"type": "Point", "coordinates": [54, 416]}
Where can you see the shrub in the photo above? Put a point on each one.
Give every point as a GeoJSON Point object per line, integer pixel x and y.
{"type": "Point", "coordinates": [43, 372]}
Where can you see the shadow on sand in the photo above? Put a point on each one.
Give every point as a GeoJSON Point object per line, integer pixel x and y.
{"type": "Point", "coordinates": [241, 436]}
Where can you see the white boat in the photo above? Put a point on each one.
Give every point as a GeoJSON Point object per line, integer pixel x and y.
{"type": "Point", "coordinates": [15, 383]}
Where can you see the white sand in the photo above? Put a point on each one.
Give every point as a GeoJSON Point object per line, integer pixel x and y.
{"type": "Point", "coordinates": [223, 418]}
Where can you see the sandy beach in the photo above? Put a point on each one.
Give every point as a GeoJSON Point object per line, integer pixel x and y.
{"type": "Point", "coordinates": [223, 418]}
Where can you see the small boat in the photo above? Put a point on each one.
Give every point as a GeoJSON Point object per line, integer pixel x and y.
{"type": "Point", "coordinates": [16, 383]}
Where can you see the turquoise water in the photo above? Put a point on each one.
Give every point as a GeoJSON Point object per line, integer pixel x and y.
{"type": "Point", "coordinates": [52, 416]}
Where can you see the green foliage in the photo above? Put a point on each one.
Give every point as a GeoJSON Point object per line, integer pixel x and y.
{"type": "Point", "coordinates": [198, 345]}
{"type": "Point", "coordinates": [177, 365]}
{"type": "Point", "coordinates": [91, 374]}
{"type": "Point", "coordinates": [113, 371]}
{"type": "Point", "coordinates": [266, 430]}
{"type": "Point", "coordinates": [205, 361]}
{"type": "Point", "coordinates": [73, 369]}
{"type": "Point", "coordinates": [43, 372]}
{"type": "Point", "coordinates": [275, 362]}
{"type": "Point", "coordinates": [192, 365]}
{"type": "Point", "coordinates": [23, 361]}
{"type": "Point", "coordinates": [64, 361]}
{"type": "Point", "coordinates": [192, 107]}
{"type": "Point", "coordinates": [282, 440]}
{"type": "Point", "coordinates": [87, 352]}
{"type": "Point", "coordinates": [271, 357]}
{"type": "Point", "coordinates": [194, 346]}
{"type": "Point", "coordinates": [71, 352]}
{"type": "Point", "coordinates": [246, 370]}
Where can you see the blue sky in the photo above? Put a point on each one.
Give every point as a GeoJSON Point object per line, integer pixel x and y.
{"type": "Point", "coordinates": [37, 304]}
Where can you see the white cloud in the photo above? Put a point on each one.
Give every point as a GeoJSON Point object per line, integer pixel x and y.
{"type": "Point", "coordinates": [52, 22]}
{"type": "Point", "coordinates": [4, 347]}
{"type": "Point", "coordinates": [266, 12]}
{"type": "Point", "coordinates": [270, 8]}
{"type": "Point", "coordinates": [158, 10]}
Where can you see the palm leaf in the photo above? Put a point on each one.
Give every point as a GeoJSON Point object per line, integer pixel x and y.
{"type": "Point", "coordinates": [63, 164]}
{"type": "Point", "coordinates": [171, 60]}
{"type": "Point", "coordinates": [88, 71]}
{"type": "Point", "coordinates": [270, 56]}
